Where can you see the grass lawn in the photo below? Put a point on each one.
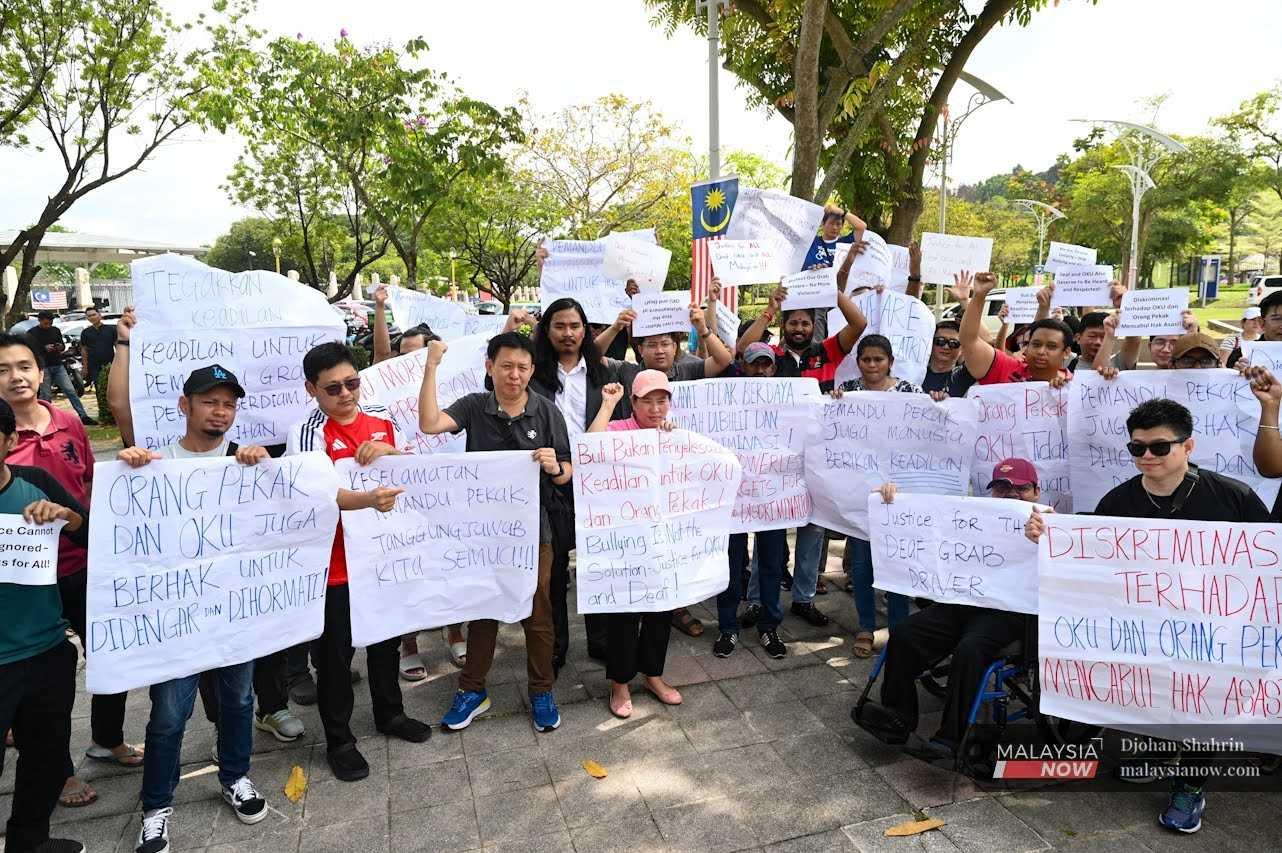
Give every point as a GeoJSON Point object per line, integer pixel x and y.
{"type": "Point", "coordinates": [1227, 307]}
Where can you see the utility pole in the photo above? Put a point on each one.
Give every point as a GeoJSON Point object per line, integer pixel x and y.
{"type": "Point", "coordinates": [713, 9]}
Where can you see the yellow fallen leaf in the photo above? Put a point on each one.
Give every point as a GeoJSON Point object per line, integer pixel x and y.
{"type": "Point", "coordinates": [914, 827]}
{"type": "Point", "coordinates": [297, 784]}
{"type": "Point", "coordinates": [596, 771]}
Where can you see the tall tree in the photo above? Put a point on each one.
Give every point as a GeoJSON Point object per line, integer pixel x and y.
{"type": "Point", "coordinates": [33, 41]}
{"type": "Point", "coordinates": [498, 232]}
{"type": "Point", "coordinates": [1257, 125]}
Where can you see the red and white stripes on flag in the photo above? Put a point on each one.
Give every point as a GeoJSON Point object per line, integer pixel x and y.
{"type": "Point", "coordinates": [701, 276]}
{"type": "Point", "coordinates": [49, 300]}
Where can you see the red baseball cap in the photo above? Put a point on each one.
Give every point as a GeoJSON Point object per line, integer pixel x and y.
{"type": "Point", "coordinates": [1017, 472]}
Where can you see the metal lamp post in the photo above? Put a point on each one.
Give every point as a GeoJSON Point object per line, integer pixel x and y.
{"type": "Point", "coordinates": [276, 245]}
{"type": "Point", "coordinates": [1045, 215]}
{"type": "Point", "coordinates": [1146, 146]}
{"type": "Point", "coordinates": [713, 10]}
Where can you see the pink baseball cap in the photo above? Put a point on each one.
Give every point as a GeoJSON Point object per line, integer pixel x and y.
{"type": "Point", "coordinates": [650, 380]}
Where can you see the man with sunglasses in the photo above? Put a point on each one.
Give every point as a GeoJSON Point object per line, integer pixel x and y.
{"type": "Point", "coordinates": [343, 428]}
{"type": "Point", "coordinates": [1169, 486]}
{"type": "Point", "coordinates": [974, 635]}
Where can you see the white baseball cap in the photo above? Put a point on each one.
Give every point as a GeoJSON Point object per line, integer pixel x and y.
{"type": "Point", "coordinates": [1252, 313]}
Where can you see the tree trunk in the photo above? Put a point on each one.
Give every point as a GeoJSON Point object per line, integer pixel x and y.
{"type": "Point", "coordinates": [807, 135]}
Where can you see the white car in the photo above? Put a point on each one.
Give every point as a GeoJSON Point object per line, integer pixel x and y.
{"type": "Point", "coordinates": [996, 299]}
{"type": "Point", "coordinates": [1263, 286]}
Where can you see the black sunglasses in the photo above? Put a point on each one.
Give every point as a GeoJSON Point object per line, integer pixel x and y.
{"type": "Point", "coordinates": [333, 389]}
{"type": "Point", "coordinates": [1158, 448]}
{"type": "Point", "coordinates": [951, 343]}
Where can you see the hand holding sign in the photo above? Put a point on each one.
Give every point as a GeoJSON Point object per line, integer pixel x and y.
{"type": "Point", "coordinates": [659, 313]}
{"type": "Point", "coordinates": [811, 289]}
{"type": "Point", "coordinates": [1153, 312]}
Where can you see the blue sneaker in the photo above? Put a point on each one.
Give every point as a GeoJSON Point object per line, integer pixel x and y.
{"type": "Point", "coordinates": [1184, 810]}
{"type": "Point", "coordinates": [467, 706]}
{"type": "Point", "coordinates": [543, 711]}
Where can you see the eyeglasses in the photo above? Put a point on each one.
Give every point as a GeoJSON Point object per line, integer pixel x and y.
{"type": "Point", "coordinates": [1204, 362]}
{"type": "Point", "coordinates": [951, 343]}
{"type": "Point", "coordinates": [1004, 489]}
{"type": "Point", "coordinates": [333, 389]}
{"type": "Point", "coordinates": [1157, 448]}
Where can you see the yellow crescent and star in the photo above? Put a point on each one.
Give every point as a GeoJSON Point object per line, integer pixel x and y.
{"type": "Point", "coordinates": [715, 200]}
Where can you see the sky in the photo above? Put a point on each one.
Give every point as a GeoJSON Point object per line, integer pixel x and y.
{"type": "Point", "coordinates": [1075, 60]}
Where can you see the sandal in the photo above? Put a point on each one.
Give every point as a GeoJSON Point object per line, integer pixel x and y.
{"type": "Point", "coordinates": [863, 645]}
{"type": "Point", "coordinates": [411, 667]}
{"type": "Point", "coordinates": [458, 651]}
{"type": "Point", "coordinates": [685, 623]}
{"type": "Point", "coordinates": [130, 757]}
{"type": "Point", "coordinates": [77, 794]}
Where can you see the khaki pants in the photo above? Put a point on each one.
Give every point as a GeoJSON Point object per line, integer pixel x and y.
{"type": "Point", "coordinates": [482, 635]}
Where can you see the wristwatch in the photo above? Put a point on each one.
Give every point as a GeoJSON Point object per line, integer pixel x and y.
{"type": "Point", "coordinates": [915, 279]}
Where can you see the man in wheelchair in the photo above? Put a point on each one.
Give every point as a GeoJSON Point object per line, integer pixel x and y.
{"type": "Point", "coordinates": [974, 635]}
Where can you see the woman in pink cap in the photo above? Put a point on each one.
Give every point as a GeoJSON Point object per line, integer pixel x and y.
{"type": "Point", "coordinates": [637, 642]}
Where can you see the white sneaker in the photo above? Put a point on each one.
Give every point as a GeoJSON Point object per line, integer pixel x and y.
{"type": "Point", "coordinates": [245, 801]}
{"type": "Point", "coordinates": [153, 837]}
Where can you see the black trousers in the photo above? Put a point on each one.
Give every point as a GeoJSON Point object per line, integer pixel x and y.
{"type": "Point", "coordinates": [636, 642]}
{"type": "Point", "coordinates": [296, 665]}
{"type": "Point", "coordinates": [974, 635]}
{"type": "Point", "coordinates": [332, 656]}
{"type": "Point", "coordinates": [106, 713]}
{"type": "Point", "coordinates": [36, 696]}
{"type": "Point", "coordinates": [269, 686]}
{"type": "Point", "coordinates": [558, 591]}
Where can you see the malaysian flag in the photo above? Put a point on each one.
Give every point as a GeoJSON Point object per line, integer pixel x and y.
{"type": "Point", "coordinates": [49, 300]}
{"type": "Point", "coordinates": [711, 204]}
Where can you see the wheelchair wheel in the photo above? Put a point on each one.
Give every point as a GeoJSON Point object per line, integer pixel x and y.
{"type": "Point", "coordinates": [1061, 731]}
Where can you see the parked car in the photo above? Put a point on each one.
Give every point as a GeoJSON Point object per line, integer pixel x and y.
{"type": "Point", "coordinates": [993, 304]}
{"type": "Point", "coordinates": [71, 330]}
{"type": "Point", "coordinates": [1263, 286]}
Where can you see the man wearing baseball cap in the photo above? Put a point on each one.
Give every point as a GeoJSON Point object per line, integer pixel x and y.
{"type": "Point", "coordinates": [1195, 350]}
{"type": "Point", "coordinates": [208, 404]}
{"type": "Point", "coordinates": [974, 635]}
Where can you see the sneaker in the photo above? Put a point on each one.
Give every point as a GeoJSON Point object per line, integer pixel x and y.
{"type": "Point", "coordinates": [725, 644]}
{"type": "Point", "coordinates": [153, 837]}
{"type": "Point", "coordinates": [347, 763]}
{"type": "Point", "coordinates": [245, 801]}
{"type": "Point", "coordinates": [59, 845]}
{"type": "Point", "coordinates": [750, 615]}
{"type": "Point", "coordinates": [1184, 809]}
{"type": "Point", "coordinates": [467, 706]}
{"type": "Point", "coordinates": [810, 613]}
{"type": "Point", "coordinates": [282, 725]}
{"type": "Point", "coordinates": [406, 729]}
{"type": "Point", "coordinates": [773, 645]}
{"type": "Point", "coordinates": [544, 713]}
{"type": "Point", "coordinates": [302, 691]}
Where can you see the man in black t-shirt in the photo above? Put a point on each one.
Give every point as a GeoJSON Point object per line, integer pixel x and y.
{"type": "Point", "coordinates": [1170, 486]}
{"type": "Point", "coordinates": [97, 345]}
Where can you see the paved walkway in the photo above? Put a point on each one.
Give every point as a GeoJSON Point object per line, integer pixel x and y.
{"type": "Point", "coordinates": [762, 755]}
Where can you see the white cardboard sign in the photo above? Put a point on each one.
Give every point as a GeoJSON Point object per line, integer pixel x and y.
{"type": "Point", "coordinates": [1153, 312]}
{"type": "Point", "coordinates": [629, 258]}
{"type": "Point", "coordinates": [945, 255]}
{"type": "Point", "coordinates": [1024, 420]}
{"type": "Point", "coordinates": [739, 263]}
{"type": "Point", "coordinates": [574, 269]}
{"type": "Point", "coordinates": [811, 289]}
{"type": "Point", "coordinates": [1021, 304]}
{"type": "Point", "coordinates": [1082, 286]}
{"type": "Point", "coordinates": [782, 223]}
{"type": "Point", "coordinates": [1068, 255]}
{"type": "Point", "coordinates": [874, 266]}
{"type": "Point", "coordinates": [28, 552]}
{"type": "Point", "coordinates": [657, 313]}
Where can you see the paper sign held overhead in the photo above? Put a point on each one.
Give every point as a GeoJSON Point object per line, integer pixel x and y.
{"type": "Point", "coordinates": [782, 223]}
{"type": "Point", "coordinates": [811, 289]}
{"type": "Point", "coordinates": [1068, 255]}
{"type": "Point", "coordinates": [1264, 354]}
{"type": "Point", "coordinates": [945, 255]}
{"type": "Point", "coordinates": [1153, 312]}
{"type": "Point", "coordinates": [904, 320]}
{"type": "Point", "coordinates": [444, 317]}
{"type": "Point", "coordinates": [739, 263]}
{"type": "Point", "coordinates": [574, 269]}
{"type": "Point", "coordinates": [643, 262]}
{"type": "Point", "coordinates": [727, 325]}
{"type": "Point", "coordinates": [658, 313]}
{"type": "Point", "coordinates": [1083, 286]}
{"type": "Point", "coordinates": [1021, 303]}
{"type": "Point", "coordinates": [874, 266]}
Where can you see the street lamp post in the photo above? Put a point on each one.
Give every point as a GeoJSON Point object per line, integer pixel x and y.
{"type": "Point", "coordinates": [453, 260]}
{"type": "Point", "coordinates": [713, 9]}
{"type": "Point", "coordinates": [1146, 146]}
{"type": "Point", "coordinates": [276, 244]}
{"type": "Point", "coordinates": [1046, 216]}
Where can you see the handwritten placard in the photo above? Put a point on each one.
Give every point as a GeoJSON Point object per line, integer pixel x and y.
{"type": "Point", "coordinates": [28, 552]}
{"type": "Point", "coordinates": [652, 518]}
{"type": "Point", "coordinates": [1081, 286]}
{"type": "Point", "coordinates": [395, 384]}
{"type": "Point", "coordinates": [767, 424]}
{"type": "Point", "coordinates": [811, 289]}
{"type": "Point", "coordinates": [1024, 420]}
{"type": "Point", "coordinates": [196, 564]}
{"type": "Point", "coordinates": [955, 550]}
{"type": "Point", "coordinates": [784, 224]}
{"type": "Point", "coordinates": [575, 269]}
{"type": "Point", "coordinates": [945, 255]}
{"type": "Point", "coordinates": [1225, 418]}
{"type": "Point", "coordinates": [659, 313]}
{"type": "Point", "coordinates": [444, 317]}
{"type": "Point", "coordinates": [461, 543]}
{"type": "Point", "coordinates": [1160, 622]}
{"type": "Point", "coordinates": [1153, 312]}
{"type": "Point", "coordinates": [1061, 255]}
{"type": "Point", "coordinates": [643, 262]}
{"type": "Point", "coordinates": [739, 263]}
{"type": "Point", "coordinates": [903, 320]}
{"type": "Point", "coordinates": [1264, 354]}
{"type": "Point", "coordinates": [874, 266]}
{"type": "Point", "coordinates": [1021, 304]}
{"type": "Point", "coordinates": [257, 324]}
{"type": "Point", "coordinates": [727, 325]}
{"type": "Point", "coordinates": [899, 267]}
{"type": "Point", "coordinates": [868, 438]}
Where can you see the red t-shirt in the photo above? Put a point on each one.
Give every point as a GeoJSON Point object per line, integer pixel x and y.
{"type": "Point", "coordinates": [1006, 368]}
{"type": "Point", "coordinates": [819, 361]}
{"type": "Point", "coordinates": [341, 441]}
{"type": "Point", "coordinates": [64, 451]}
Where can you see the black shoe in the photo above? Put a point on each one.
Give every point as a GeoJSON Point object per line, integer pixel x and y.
{"type": "Point", "coordinates": [88, 421]}
{"type": "Point", "coordinates": [59, 845]}
{"type": "Point", "coordinates": [725, 644]}
{"type": "Point", "coordinates": [881, 722]}
{"type": "Point", "coordinates": [785, 582]}
{"type": "Point", "coordinates": [347, 763]}
{"type": "Point", "coordinates": [773, 645]}
{"type": "Point", "coordinates": [750, 615]}
{"type": "Point", "coordinates": [407, 729]}
{"type": "Point", "coordinates": [302, 691]}
{"type": "Point", "coordinates": [810, 613]}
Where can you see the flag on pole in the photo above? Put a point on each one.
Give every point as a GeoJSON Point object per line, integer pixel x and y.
{"type": "Point", "coordinates": [711, 203]}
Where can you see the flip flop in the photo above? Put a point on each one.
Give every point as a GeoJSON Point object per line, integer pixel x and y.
{"type": "Point", "coordinates": [78, 797]}
{"type": "Point", "coordinates": [685, 623]}
{"type": "Point", "coordinates": [132, 757]}
{"type": "Point", "coordinates": [458, 651]}
{"type": "Point", "coordinates": [412, 669]}
{"type": "Point", "coordinates": [862, 647]}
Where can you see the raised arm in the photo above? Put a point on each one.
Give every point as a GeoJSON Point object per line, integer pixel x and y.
{"type": "Point", "coordinates": [382, 340]}
{"type": "Point", "coordinates": [118, 378]}
{"type": "Point", "coordinates": [856, 322]}
{"type": "Point", "coordinates": [719, 356]}
{"type": "Point", "coordinates": [1003, 332]}
{"type": "Point", "coordinates": [611, 394]}
{"type": "Point", "coordinates": [977, 353]}
{"type": "Point", "coordinates": [710, 313]}
{"type": "Point", "coordinates": [1268, 442]}
{"type": "Point", "coordinates": [915, 286]}
{"type": "Point", "coordinates": [610, 332]}
{"type": "Point", "coordinates": [1044, 298]}
{"type": "Point", "coordinates": [758, 328]}
{"type": "Point", "coordinates": [431, 419]}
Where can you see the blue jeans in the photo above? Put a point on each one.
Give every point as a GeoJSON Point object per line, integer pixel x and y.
{"type": "Point", "coordinates": [171, 706]}
{"type": "Point", "coordinates": [808, 555]}
{"type": "Point", "coordinates": [56, 374]}
{"type": "Point", "coordinates": [858, 560]}
{"type": "Point", "coordinates": [771, 551]}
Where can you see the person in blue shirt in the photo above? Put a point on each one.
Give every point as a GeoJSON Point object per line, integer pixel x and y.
{"type": "Point", "coordinates": [823, 251]}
